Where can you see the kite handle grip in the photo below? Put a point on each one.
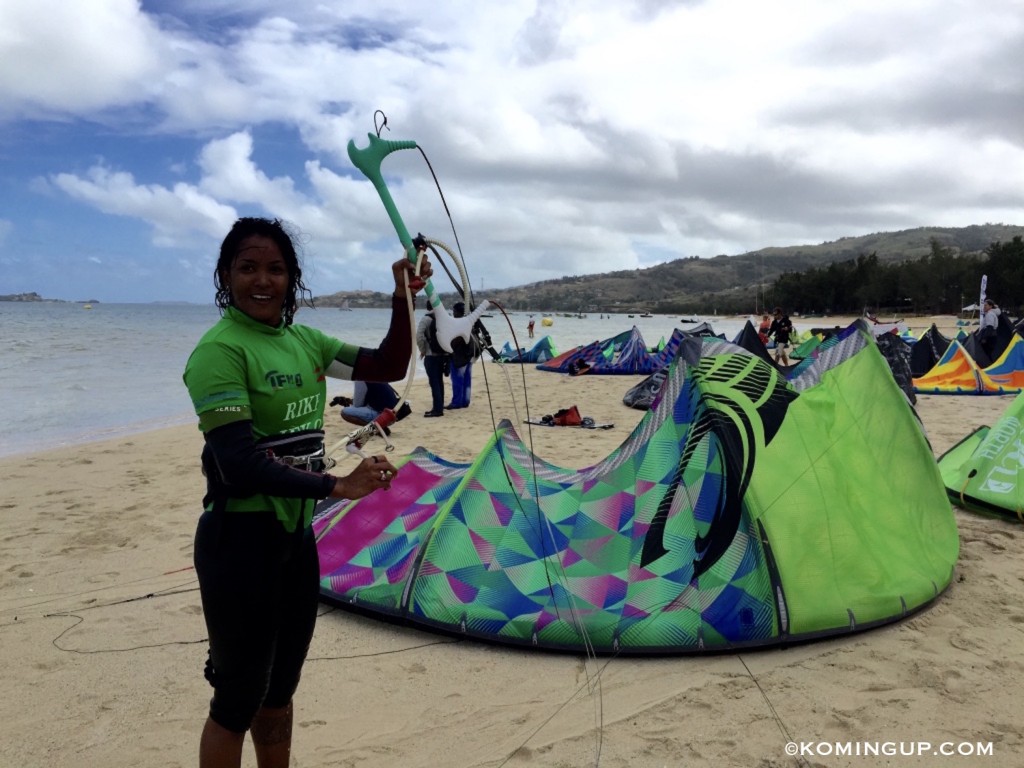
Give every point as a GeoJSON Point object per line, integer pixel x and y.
{"type": "Point", "coordinates": [368, 160]}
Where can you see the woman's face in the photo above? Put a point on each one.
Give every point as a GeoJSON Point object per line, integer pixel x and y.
{"type": "Point", "coordinates": [258, 280]}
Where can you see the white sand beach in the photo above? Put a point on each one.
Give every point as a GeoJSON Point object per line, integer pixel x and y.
{"type": "Point", "coordinates": [104, 641]}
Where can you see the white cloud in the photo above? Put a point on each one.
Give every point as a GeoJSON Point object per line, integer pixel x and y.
{"type": "Point", "coordinates": [230, 174]}
{"type": "Point", "coordinates": [62, 58]}
{"type": "Point", "coordinates": [172, 211]}
{"type": "Point", "coordinates": [568, 136]}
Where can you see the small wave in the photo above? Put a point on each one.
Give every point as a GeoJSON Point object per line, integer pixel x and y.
{"type": "Point", "coordinates": [47, 440]}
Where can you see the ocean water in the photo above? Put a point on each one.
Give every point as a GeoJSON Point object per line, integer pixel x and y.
{"type": "Point", "coordinates": [71, 375]}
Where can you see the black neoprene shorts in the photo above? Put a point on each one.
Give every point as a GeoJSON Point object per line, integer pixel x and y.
{"type": "Point", "coordinates": [260, 588]}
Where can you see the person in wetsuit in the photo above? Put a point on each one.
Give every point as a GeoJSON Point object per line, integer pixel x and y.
{"type": "Point", "coordinates": [256, 380]}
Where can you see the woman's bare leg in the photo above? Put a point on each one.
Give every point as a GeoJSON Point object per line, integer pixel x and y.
{"type": "Point", "coordinates": [271, 732]}
{"type": "Point", "coordinates": [219, 747]}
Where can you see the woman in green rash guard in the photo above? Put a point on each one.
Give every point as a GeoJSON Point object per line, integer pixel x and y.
{"type": "Point", "coordinates": [257, 379]}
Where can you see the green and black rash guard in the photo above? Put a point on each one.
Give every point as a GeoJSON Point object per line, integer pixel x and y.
{"type": "Point", "coordinates": [248, 380]}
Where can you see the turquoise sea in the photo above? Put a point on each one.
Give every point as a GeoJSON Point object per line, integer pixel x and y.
{"type": "Point", "coordinates": [71, 375]}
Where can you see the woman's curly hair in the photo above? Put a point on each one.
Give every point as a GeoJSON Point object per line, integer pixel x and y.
{"type": "Point", "coordinates": [272, 229]}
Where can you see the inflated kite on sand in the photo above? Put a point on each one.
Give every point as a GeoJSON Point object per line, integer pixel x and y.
{"type": "Point", "coordinates": [744, 510]}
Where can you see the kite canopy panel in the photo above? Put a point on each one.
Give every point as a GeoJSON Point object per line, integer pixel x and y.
{"type": "Point", "coordinates": [625, 353]}
{"type": "Point", "coordinates": [957, 373]}
{"type": "Point", "coordinates": [1006, 374]}
{"type": "Point", "coordinates": [749, 339]}
{"type": "Point", "coordinates": [743, 510]}
{"type": "Point", "coordinates": [983, 472]}
{"type": "Point", "coordinates": [543, 350]}
{"type": "Point", "coordinates": [806, 348]}
{"type": "Point", "coordinates": [896, 352]}
{"type": "Point", "coordinates": [927, 351]}
{"type": "Point", "coordinates": [644, 394]}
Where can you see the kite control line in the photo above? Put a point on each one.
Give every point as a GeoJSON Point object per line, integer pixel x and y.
{"type": "Point", "coordinates": [449, 329]}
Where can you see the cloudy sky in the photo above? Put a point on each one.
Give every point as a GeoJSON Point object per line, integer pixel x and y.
{"type": "Point", "coordinates": [568, 136]}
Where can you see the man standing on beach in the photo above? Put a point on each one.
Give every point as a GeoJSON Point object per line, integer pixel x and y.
{"type": "Point", "coordinates": [781, 328]}
{"type": "Point", "coordinates": [462, 359]}
{"type": "Point", "coordinates": [435, 362]}
{"type": "Point", "coordinates": [989, 325]}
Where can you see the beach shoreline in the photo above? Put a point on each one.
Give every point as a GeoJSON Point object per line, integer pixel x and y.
{"type": "Point", "coordinates": [102, 621]}
{"type": "Point", "coordinates": [84, 435]}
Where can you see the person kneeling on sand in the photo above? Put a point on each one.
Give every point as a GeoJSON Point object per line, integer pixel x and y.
{"type": "Point", "coordinates": [369, 399]}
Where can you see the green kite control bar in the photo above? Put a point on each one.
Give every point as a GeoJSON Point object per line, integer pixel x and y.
{"type": "Point", "coordinates": [368, 160]}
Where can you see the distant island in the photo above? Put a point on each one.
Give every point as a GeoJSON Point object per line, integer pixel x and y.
{"type": "Point", "coordinates": [33, 296]}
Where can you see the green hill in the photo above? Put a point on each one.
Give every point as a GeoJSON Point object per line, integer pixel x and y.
{"type": "Point", "coordinates": [725, 283]}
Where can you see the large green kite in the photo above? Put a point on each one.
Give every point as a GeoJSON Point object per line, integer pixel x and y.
{"type": "Point", "coordinates": [743, 510]}
{"type": "Point", "coordinates": [983, 472]}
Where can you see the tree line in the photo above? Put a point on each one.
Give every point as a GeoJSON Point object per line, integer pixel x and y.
{"type": "Point", "coordinates": [943, 282]}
